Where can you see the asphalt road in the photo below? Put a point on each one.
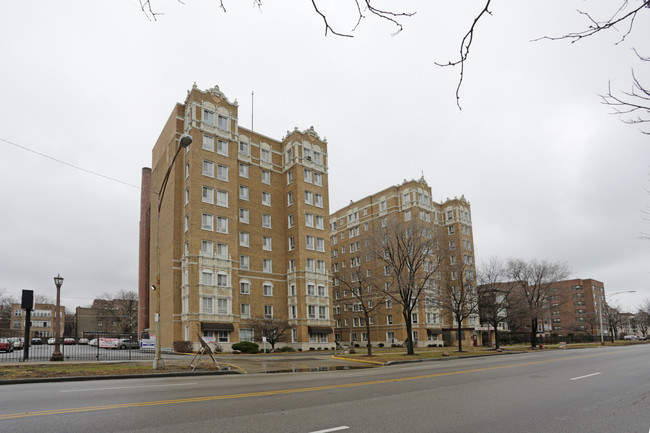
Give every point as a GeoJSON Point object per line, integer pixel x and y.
{"type": "Point", "coordinates": [588, 390]}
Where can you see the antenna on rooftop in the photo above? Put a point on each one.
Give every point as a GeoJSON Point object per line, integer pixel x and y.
{"type": "Point", "coordinates": [252, 109]}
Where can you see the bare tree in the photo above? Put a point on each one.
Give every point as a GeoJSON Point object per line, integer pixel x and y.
{"type": "Point", "coordinates": [275, 330]}
{"type": "Point", "coordinates": [494, 294]}
{"type": "Point", "coordinates": [122, 308]}
{"type": "Point", "coordinates": [407, 252]}
{"type": "Point", "coordinates": [6, 300]}
{"type": "Point", "coordinates": [534, 280]}
{"type": "Point", "coordinates": [458, 295]}
{"type": "Point", "coordinates": [643, 322]}
{"type": "Point", "coordinates": [366, 292]}
{"type": "Point", "coordinates": [612, 314]}
{"type": "Point", "coordinates": [43, 299]}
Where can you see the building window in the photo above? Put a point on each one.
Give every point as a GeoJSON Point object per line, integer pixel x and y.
{"type": "Point", "coordinates": [207, 248]}
{"type": "Point", "coordinates": [208, 168]}
{"type": "Point", "coordinates": [266, 177]}
{"type": "Point", "coordinates": [222, 198]}
{"type": "Point", "coordinates": [290, 199]}
{"type": "Point", "coordinates": [266, 221]}
{"type": "Point", "coordinates": [265, 155]}
{"type": "Point", "coordinates": [293, 312]}
{"type": "Point", "coordinates": [244, 148]}
{"type": "Point", "coordinates": [222, 306]}
{"type": "Point", "coordinates": [222, 251]}
{"type": "Point", "coordinates": [206, 277]}
{"type": "Point", "coordinates": [389, 319]}
{"type": "Point", "coordinates": [245, 287]}
{"type": "Point", "coordinates": [243, 170]}
{"type": "Point", "coordinates": [206, 305]}
{"type": "Point", "coordinates": [244, 262]}
{"type": "Point", "coordinates": [308, 176]}
{"type": "Point", "coordinates": [243, 192]}
{"type": "Point", "coordinates": [320, 266]}
{"type": "Point", "coordinates": [289, 177]}
{"type": "Point", "coordinates": [290, 221]}
{"type": "Point", "coordinates": [267, 289]}
{"type": "Point", "coordinates": [246, 334]}
{"type": "Point", "coordinates": [309, 197]}
{"type": "Point", "coordinates": [243, 216]}
{"type": "Point", "coordinates": [311, 311]}
{"type": "Point", "coordinates": [407, 215]}
{"type": "Point", "coordinates": [318, 200]}
{"type": "Point", "coordinates": [223, 123]}
{"type": "Point", "coordinates": [267, 244]}
{"type": "Point", "coordinates": [222, 172]}
{"type": "Point", "coordinates": [309, 219]}
{"type": "Point", "coordinates": [322, 312]}
{"type": "Point", "coordinates": [266, 198]}
{"type": "Point", "coordinates": [292, 243]}
{"type": "Point", "coordinates": [244, 239]}
{"type": "Point", "coordinates": [208, 143]}
{"type": "Point", "coordinates": [311, 265]}
{"type": "Point", "coordinates": [207, 195]}
{"type": "Point", "coordinates": [222, 147]}
{"type": "Point", "coordinates": [318, 179]}
{"type": "Point", "coordinates": [222, 279]}
{"type": "Point", "coordinates": [309, 242]}
{"type": "Point", "coordinates": [268, 311]}
{"type": "Point", "coordinates": [320, 222]}
{"type": "Point", "coordinates": [292, 265]}
{"type": "Point", "coordinates": [222, 224]}
{"type": "Point", "coordinates": [267, 265]}
{"type": "Point", "coordinates": [245, 311]}
{"type": "Point", "coordinates": [207, 221]}
{"type": "Point", "coordinates": [208, 117]}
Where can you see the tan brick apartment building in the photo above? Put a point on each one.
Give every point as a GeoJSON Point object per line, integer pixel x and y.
{"type": "Point", "coordinates": [243, 228]}
{"type": "Point", "coordinates": [42, 318]}
{"type": "Point", "coordinates": [352, 229]}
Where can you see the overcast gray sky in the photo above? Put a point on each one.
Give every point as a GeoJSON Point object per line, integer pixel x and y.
{"type": "Point", "coordinates": [549, 173]}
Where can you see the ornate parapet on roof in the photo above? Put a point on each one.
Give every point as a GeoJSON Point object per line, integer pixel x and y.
{"type": "Point", "coordinates": [214, 91]}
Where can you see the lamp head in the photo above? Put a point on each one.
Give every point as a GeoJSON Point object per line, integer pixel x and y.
{"type": "Point", "coordinates": [58, 281]}
{"type": "Point", "coordinates": [184, 141]}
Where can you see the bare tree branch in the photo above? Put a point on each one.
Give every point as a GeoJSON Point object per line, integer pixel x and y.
{"type": "Point", "coordinates": [465, 45]}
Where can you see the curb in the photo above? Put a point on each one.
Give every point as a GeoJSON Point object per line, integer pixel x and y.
{"type": "Point", "coordinates": [113, 377]}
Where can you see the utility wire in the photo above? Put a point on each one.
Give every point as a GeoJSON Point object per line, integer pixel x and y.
{"type": "Point", "coordinates": [70, 165]}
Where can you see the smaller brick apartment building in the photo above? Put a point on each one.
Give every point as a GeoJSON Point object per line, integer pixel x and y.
{"type": "Point", "coordinates": [42, 319]}
{"type": "Point", "coordinates": [575, 307]}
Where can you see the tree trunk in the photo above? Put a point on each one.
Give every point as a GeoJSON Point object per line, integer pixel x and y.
{"type": "Point", "coordinates": [409, 339]}
{"type": "Point", "coordinates": [496, 338]}
{"type": "Point", "coordinates": [458, 337]}
{"type": "Point", "coordinates": [369, 343]}
{"type": "Point", "coordinates": [533, 332]}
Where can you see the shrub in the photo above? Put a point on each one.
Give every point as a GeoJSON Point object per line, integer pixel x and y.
{"type": "Point", "coordinates": [246, 347]}
{"type": "Point", "coordinates": [380, 344]}
{"type": "Point", "coordinates": [285, 349]}
{"type": "Point", "coordinates": [356, 344]}
{"type": "Point", "coordinates": [300, 349]}
{"type": "Point", "coordinates": [311, 348]}
{"type": "Point", "coordinates": [181, 346]}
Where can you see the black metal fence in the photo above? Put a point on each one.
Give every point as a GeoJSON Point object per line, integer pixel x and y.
{"type": "Point", "coordinates": [95, 346]}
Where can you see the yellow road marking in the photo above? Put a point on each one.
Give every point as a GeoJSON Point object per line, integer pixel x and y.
{"type": "Point", "coordinates": [279, 392]}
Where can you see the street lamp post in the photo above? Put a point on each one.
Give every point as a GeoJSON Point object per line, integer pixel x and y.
{"type": "Point", "coordinates": [184, 141]}
{"type": "Point", "coordinates": [57, 355]}
{"type": "Point", "coordinates": [600, 310]}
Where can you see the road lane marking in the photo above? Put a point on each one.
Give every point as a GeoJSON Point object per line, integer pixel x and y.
{"type": "Point", "coordinates": [126, 387]}
{"type": "Point", "coordinates": [282, 391]}
{"type": "Point", "coordinates": [582, 377]}
{"type": "Point", "coordinates": [343, 427]}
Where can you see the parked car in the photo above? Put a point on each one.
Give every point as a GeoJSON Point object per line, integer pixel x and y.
{"type": "Point", "coordinates": [93, 342]}
{"type": "Point", "coordinates": [82, 341]}
{"type": "Point", "coordinates": [127, 343]}
{"type": "Point", "coordinates": [36, 341]}
{"type": "Point", "coordinates": [17, 342]}
{"type": "Point", "coordinates": [69, 341]}
{"type": "Point", "coordinates": [6, 345]}
{"type": "Point", "coordinates": [51, 341]}
{"type": "Point", "coordinates": [633, 338]}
